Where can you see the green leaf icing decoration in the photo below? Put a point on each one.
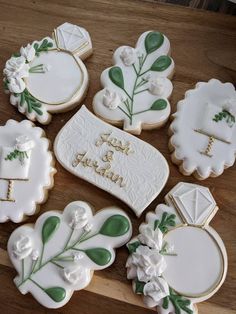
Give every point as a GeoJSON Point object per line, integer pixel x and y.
{"type": "Point", "coordinates": [57, 294]}
{"type": "Point", "coordinates": [179, 303]}
{"type": "Point", "coordinates": [225, 114]}
{"type": "Point", "coordinates": [32, 103]}
{"type": "Point", "coordinates": [100, 256]}
{"type": "Point", "coordinates": [159, 104]}
{"type": "Point", "coordinates": [44, 46]}
{"type": "Point", "coordinates": [116, 76]}
{"type": "Point", "coordinates": [50, 226]}
{"type": "Point", "coordinates": [115, 226]}
{"type": "Point", "coordinates": [139, 285]}
{"type": "Point", "coordinates": [132, 247]}
{"type": "Point", "coordinates": [161, 64]}
{"type": "Point", "coordinates": [153, 41]}
{"type": "Point", "coordinates": [167, 220]}
{"type": "Point", "coordinates": [16, 154]}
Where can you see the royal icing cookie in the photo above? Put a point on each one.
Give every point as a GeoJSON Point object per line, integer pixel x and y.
{"type": "Point", "coordinates": [137, 88]}
{"type": "Point", "coordinates": [111, 159]}
{"type": "Point", "coordinates": [58, 255]}
{"type": "Point", "coordinates": [26, 169]}
{"type": "Point", "coordinates": [203, 132]}
{"type": "Point", "coordinates": [48, 76]}
{"type": "Point", "coordinates": [178, 260]}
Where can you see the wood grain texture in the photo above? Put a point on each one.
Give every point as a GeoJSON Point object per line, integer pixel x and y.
{"type": "Point", "coordinates": [193, 35]}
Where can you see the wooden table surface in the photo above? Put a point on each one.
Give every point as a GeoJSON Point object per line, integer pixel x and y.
{"type": "Point", "coordinates": [203, 47]}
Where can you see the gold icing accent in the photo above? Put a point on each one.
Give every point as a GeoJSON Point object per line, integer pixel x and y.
{"type": "Point", "coordinates": [108, 157]}
{"type": "Point", "coordinates": [10, 189]}
{"type": "Point", "coordinates": [115, 143]}
{"type": "Point", "coordinates": [105, 172]}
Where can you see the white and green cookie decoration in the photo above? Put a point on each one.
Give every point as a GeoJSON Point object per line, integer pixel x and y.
{"type": "Point", "coordinates": [178, 260]}
{"type": "Point", "coordinates": [26, 170]}
{"type": "Point", "coordinates": [58, 255]}
{"type": "Point", "coordinates": [137, 88]}
{"type": "Point", "coordinates": [203, 133]}
{"type": "Point", "coordinates": [49, 76]}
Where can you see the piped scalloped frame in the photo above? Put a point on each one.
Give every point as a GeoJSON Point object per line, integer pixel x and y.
{"type": "Point", "coordinates": [26, 170]}
{"type": "Point", "coordinates": [58, 255]}
{"type": "Point", "coordinates": [111, 159]}
{"type": "Point", "coordinates": [49, 76]}
{"type": "Point", "coordinates": [175, 248]}
{"type": "Point", "coordinates": [203, 132]}
{"type": "Point", "coordinates": [137, 88]}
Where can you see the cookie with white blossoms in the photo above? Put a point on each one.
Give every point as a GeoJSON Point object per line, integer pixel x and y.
{"type": "Point", "coordinates": [178, 260]}
{"type": "Point", "coordinates": [59, 254]}
{"type": "Point", "coordinates": [26, 170]}
{"type": "Point", "coordinates": [203, 131]}
{"type": "Point", "coordinates": [49, 76]}
{"type": "Point", "coordinates": [137, 88]}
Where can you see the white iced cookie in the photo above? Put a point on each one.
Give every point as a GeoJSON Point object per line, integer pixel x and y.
{"type": "Point", "coordinates": [137, 87]}
{"type": "Point", "coordinates": [111, 159]}
{"type": "Point", "coordinates": [58, 255]}
{"type": "Point", "coordinates": [48, 76]}
{"type": "Point", "coordinates": [178, 260]}
{"type": "Point", "coordinates": [26, 169]}
{"type": "Point", "coordinates": [203, 133]}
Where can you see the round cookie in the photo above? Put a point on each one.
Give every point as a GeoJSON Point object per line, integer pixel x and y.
{"type": "Point", "coordinates": [49, 76]}
{"type": "Point", "coordinates": [178, 260]}
{"type": "Point", "coordinates": [203, 132]}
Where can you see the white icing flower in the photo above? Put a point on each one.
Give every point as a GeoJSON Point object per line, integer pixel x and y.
{"type": "Point", "coordinates": [77, 256]}
{"type": "Point", "coordinates": [22, 247]}
{"type": "Point", "coordinates": [35, 255]}
{"type": "Point", "coordinates": [230, 106]}
{"type": "Point", "coordinates": [128, 56]}
{"type": "Point", "coordinates": [14, 99]}
{"type": "Point", "coordinates": [111, 99]}
{"type": "Point", "coordinates": [150, 237]}
{"type": "Point", "coordinates": [73, 274]}
{"type": "Point", "coordinates": [23, 143]}
{"type": "Point", "coordinates": [16, 68]}
{"type": "Point", "coordinates": [157, 85]}
{"type": "Point", "coordinates": [154, 291]}
{"type": "Point", "coordinates": [88, 227]}
{"type": "Point", "coordinates": [145, 264]}
{"type": "Point", "coordinates": [16, 85]}
{"type": "Point", "coordinates": [28, 52]}
{"type": "Point", "coordinates": [79, 218]}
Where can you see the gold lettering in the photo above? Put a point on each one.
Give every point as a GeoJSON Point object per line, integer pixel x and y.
{"type": "Point", "coordinates": [114, 142]}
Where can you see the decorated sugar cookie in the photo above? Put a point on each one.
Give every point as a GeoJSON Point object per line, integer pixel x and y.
{"type": "Point", "coordinates": [26, 169]}
{"type": "Point", "coordinates": [111, 159]}
{"type": "Point", "coordinates": [178, 260]}
{"type": "Point", "coordinates": [58, 255]}
{"type": "Point", "coordinates": [136, 89]}
{"type": "Point", "coordinates": [48, 76]}
{"type": "Point", "coordinates": [203, 132]}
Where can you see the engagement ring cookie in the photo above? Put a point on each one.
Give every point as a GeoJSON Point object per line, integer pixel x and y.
{"type": "Point", "coordinates": [111, 159]}
{"type": "Point", "coordinates": [26, 170]}
{"type": "Point", "coordinates": [58, 255]}
{"type": "Point", "coordinates": [137, 88]}
{"type": "Point", "coordinates": [48, 76]}
{"type": "Point", "coordinates": [203, 132]}
{"type": "Point", "coordinates": [178, 260]}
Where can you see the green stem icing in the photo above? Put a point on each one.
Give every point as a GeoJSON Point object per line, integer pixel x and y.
{"type": "Point", "coordinates": [37, 69]}
{"type": "Point", "coordinates": [32, 103]}
{"type": "Point", "coordinates": [38, 285]}
{"type": "Point", "coordinates": [225, 114]}
{"type": "Point", "coordinates": [16, 154]}
{"type": "Point", "coordinates": [44, 46]}
{"type": "Point", "coordinates": [54, 263]}
{"type": "Point", "coordinates": [41, 256]}
{"type": "Point", "coordinates": [179, 303]}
